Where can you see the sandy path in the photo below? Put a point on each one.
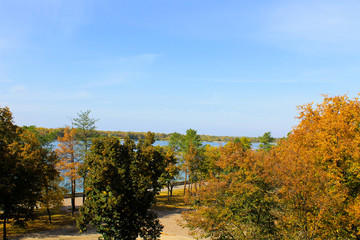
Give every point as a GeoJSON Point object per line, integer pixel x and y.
{"type": "Point", "coordinates": [168, 218]}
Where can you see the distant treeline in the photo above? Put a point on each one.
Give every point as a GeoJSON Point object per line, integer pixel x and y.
{"type": "Point", "coordinates": [59, 132]}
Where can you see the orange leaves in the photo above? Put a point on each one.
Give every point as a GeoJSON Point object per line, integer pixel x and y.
{"type": "Point", "coordinates": [67, 154]}
{"type": "Point", "coordinates": [237, 202]}
{"type": "Point", "coordinates": [332, 128]}
{"type": "Point", "coordinates": [316, 170]}
{"type": "Point", "coordinates": [231, 156]}
{"type": "Point", "coordinates": [307, 187]}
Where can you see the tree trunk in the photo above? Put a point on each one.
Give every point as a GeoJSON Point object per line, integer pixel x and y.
{"type": "Point", "coordinates": [49, 214]}
{"type": "Point", "coordinates": [84, 189]}
{"type": "Point", "coordinates": [168, 191]}
{"type": "Point", "coordinates": [73, 197]}
{"type": "Point", "coordinates": [185, 182]}
{"type": "Point", "coordinates": [4, 224]}
{"type": "Point", "coordinates": [85, 172]}
{"type": "Point", "coordinates": [171, 189]}
{"type": "Point", "coordinates": [73, 187]}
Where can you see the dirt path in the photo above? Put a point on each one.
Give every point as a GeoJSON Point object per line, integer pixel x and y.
{"type": "Point", "coordinates": [171, 231]}
{"type": "Point", "coordinates": [169, 218]}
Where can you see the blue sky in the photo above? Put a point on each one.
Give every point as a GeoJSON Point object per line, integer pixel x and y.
{"type": "Point", "coordinates": [237, 68]}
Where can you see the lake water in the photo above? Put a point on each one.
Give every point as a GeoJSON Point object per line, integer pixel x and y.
{"type": "Point", "coordinates": [213, 144]}
{"type": "Point", "coordinates": [165, 143]}
{"type": "Point", "coordinates": [157, 143]}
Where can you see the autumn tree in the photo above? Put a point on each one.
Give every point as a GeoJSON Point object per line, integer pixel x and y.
{"type": "Point", "coordinates": [316, 170]}
{"type": "Point", "coordinates": [69, 162]}
{"type": "Point", "coordinates": [211, 157]}
{"type": "Point", "coordinates": [52, 193]}
{"type": "Point", "coordinates": [122, 182]}
{"type": "Point", "coordinates": [237, 202]}
{"type": "Point", "coordinates": [85, 126]}
{"type": "Point", "coordinates": [22, 164]}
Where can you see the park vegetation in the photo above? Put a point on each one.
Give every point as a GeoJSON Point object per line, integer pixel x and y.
{"type": "Point", "coordinates": [303, 186]}
{"type": "Point", "coordinates": [122, 182]}
{"type": "Point", "coordinates": [28, 175]}
{"type": "Point", "coordinates": [54, 133]}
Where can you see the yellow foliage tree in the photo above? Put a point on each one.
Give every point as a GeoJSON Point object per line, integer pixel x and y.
{"type": "Point", "coordinates": [317, 171]}
{"type": "Point", "coordinates": [69, 164]}
{"type": "Point", "coordinates": [306, 187]}
{"type": "Point", "coordinates": [237, 202]}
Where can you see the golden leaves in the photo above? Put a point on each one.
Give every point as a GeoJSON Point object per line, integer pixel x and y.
{"type": "Point", "coordinates": [67, 154]}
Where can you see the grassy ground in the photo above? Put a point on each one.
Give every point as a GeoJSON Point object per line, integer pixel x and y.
{"type": "Point", "coordinates": [175, 202]}
{"type": "Point", "coordinates": [41, 222]}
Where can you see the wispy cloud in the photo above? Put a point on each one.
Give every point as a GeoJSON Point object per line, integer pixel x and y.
{"type": "Point", "coordinates": [18, 89]}
{"type": "Point", "coordinates": [103, 83]}
{"type": "Point", "coordinates": [214, 100]}
{"type": "Point", "coordinates": [255, 81]}
{"type": "Point", "coordinates": [70, 15]}
{"type": "Point", "coordinates": [146, 58]}
{"type": "Point", "coordinates": [267, 81]}
{"type": "Point", "coordinates": [5, 80]}
{"type": "Point", "coordinates": [80, 94]}
{"type": "Point", "coordinates": [313, 26]}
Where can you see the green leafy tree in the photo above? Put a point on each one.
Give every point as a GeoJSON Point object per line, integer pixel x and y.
{"type": "Point", "coordinates": [22, 164]}
{"type": "Point", "coordinates": [244, 142]}
{"type": "Point", "coordinates": [189, 150]}
{"type": "Point", "coordinates": [121, 185]}
{"type": "Point", "coordinates": [171, 172]}
{"type": "Point", "coordinates": [265, 141]}
{"type": "Point", "coordinates": [52, 193]}
{"type": "Point", "coordinates": [44, 138]}
{"type": "Point", "coordinates": [85, 132]}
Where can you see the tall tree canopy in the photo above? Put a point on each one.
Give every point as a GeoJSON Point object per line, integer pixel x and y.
{"type": "Point", "coordinates": [85, 126]}
{"type": "Point", "coordinates": [24, 166]}
{"type": "Point", "coordinates": [69, 161]}
{"type": "Point", "coordinates": [190, 153]}
{"type": "Point", "coordinates": [237, 202]}
{"type": "Point", "coordinates": [122, 182]}
{"type": "Point", "coordinates": [305, 187]}
{"type": "Point", "coordinates": [265, 141]}
{"type": "Point", "coordinates": [53, 192]}
{"type": "Point", "coordinates": [317, 171]}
